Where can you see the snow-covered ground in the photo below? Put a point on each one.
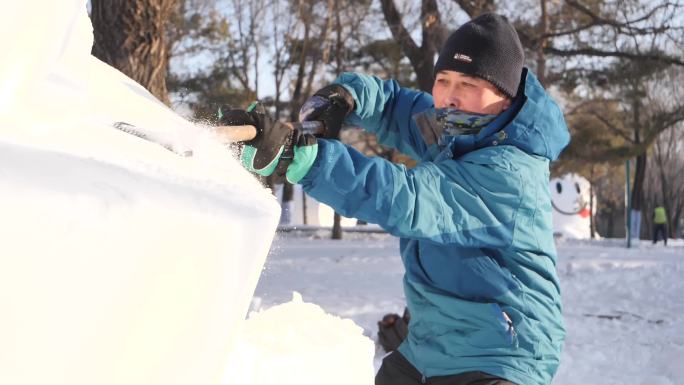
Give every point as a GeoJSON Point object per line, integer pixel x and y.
{"type": "Point", "coordinates": [623, 307]}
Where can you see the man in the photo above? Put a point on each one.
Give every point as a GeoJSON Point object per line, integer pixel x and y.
{"type": "Point", "coordinates": [659, 224]}
{"type": "Point", "coordinates": [474, 216]}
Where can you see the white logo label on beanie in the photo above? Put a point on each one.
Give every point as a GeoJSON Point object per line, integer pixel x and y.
{"type": "Point", "coordinates": [462, 57]}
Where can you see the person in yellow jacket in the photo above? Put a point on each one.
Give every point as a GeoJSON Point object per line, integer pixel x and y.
{"type": "Point", "coordinates": [659, 224]}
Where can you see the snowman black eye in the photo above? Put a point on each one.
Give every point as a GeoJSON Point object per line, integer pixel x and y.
{"type": "Point", "coordinates": [577, 187]}
{"type": "Point", "coordinates": [559, 187]}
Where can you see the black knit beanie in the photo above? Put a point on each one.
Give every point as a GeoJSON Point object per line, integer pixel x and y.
{"type": "Point", "coordinates": [487, 47]}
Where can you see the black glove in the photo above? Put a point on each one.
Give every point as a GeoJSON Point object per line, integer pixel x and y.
{"type": "Point", "coordinates": [331, 104]}
{"type": "Point", "coordinates": [277, 147]}
{"type": "Point", "coordinates": [392, 330]}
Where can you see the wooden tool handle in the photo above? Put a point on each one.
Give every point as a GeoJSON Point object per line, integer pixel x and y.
{"type": "Point", "coordinates": [232, 134]}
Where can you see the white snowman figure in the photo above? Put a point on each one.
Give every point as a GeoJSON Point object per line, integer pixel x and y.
{"type": "Point", "coordinates": [571, 210]}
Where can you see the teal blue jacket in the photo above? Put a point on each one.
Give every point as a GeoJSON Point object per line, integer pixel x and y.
{"type": "Point", "coordinates": [474, 218]}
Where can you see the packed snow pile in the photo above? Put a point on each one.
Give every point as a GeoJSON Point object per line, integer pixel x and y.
{"type": "Point", "coordinates": [121, 262]}
{"type": "Point", "coordinates": [298, 343]}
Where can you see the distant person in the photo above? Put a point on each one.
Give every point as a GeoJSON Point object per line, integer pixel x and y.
{"type": "Point", "coordinates": [659, 224]}
{"type": "Point", "coordinates": [474, 216]}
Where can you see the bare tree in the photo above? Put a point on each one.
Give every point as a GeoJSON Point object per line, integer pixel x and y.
{"type": "Point", "coordinates": [433, 35]}
{"type": "Point", "coordinates": [595, 33]}
{"type": "Point", "coordinates": [283, 22]}
{"type": "Point", "coordinates": [247, 33]}
{"type": "Point", "coordinates": [665, 183]}
{"type": "Point", "coordinates": [130, 36]}
{"type": "Point", "coordinates": [608, 57]}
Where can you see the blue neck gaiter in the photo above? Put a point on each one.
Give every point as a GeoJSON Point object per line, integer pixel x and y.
{"type": "Point", "coordinates": [446, 123]}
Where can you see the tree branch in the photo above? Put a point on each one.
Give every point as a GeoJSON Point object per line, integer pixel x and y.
{"type": "Point", "coordinates": [474, 8]}
{"type": "Point", "coordinates": [399, 32]}
{"type": "Point", "coordinates": [611, 126]}
{"type": "Point", "coordinates": [434, 32]}
{"type": "Point", "coordinates": [600, 20]}
{"type": "Point", "coordinates": [601, 53]}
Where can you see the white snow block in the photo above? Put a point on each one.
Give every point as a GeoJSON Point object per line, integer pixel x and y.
{"type": "Point", "coordinates": [34, 34]}
{"type": "Point", "coordinates": [297, 343]}
{"type": "Point", "coordinates": [120, 261]}
{"type": "Point", "coordinates": [112, 276]}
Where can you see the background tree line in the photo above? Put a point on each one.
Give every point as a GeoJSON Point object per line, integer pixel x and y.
{"type": "Point", "coordinates": [615, 66]}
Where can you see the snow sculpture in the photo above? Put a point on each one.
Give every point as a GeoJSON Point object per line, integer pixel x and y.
{"type": "Point", "coordinates": [571, 211]}
{"type": "Point", "coordinates": [121, 262]}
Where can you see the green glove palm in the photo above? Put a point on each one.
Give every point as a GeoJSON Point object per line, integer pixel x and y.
{"type": "Point", "coordinates": [277, 148]}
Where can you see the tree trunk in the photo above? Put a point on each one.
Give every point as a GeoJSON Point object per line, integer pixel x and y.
{"type": "Point", "coordinates": [295, 100]}
{"type": "Point", "coordinates": [673, 227]}
{"type": "Point", "coordinates": [129, 35]}
{"type": "Point", "coordinates": [541, 60]}
{"type": "Point", "coordinates": [337, 227]}
{"type": "Point", "coordinates": [287, 206]}
{"type": "Point", "coordinates": [611, 223]}
{"type": "Point", "coordinates": [592, 232]}
{"type": "Point", "coordinates": [268, 181]}
{"type": "Point", "coordinates": [664, 187]}
{"type": "Point", "coordinates": [638, 195]}
{"type": "Point", "coordinates": [305, 218]}
{"type": "Point", "coordinates": [639, 171]}
{"type": "Point", "coordinates": [638, 185]}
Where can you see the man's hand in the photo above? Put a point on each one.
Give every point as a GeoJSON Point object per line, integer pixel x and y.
{"type": "Point", "coordinates": [331, 104]}
{"type": "Point", "coordinates": [277, 147]}
{"type": "Point", "coordinates": [392, 330]}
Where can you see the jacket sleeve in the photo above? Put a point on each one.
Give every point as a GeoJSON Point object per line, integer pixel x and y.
{"type": "Point", "coordinates": [451, 202]}
{"type": "Point", "coordinates": [385, 109]}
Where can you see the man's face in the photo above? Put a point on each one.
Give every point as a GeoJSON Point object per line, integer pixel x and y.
{"type": "Point", "coordinates": [467, 93]}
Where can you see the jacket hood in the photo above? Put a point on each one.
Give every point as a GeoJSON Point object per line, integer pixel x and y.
{"type": "Point", "coordinates": [534, 123]}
